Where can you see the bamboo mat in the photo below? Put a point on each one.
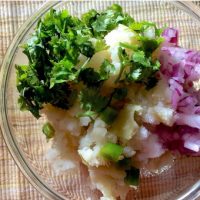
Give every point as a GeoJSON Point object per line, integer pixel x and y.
{"type": "Point", "coordinates": [13, 185]}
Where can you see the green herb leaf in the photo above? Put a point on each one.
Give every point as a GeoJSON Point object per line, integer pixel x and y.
{"type": "Point", "coordinates": [140, 58]}
{"type": "Point", "coordinates": [150, 45]}
{"type": "Point", "coordinates": [63, 71]}
{"type": "Point", "coordinates": [106, 69]}
{"type": "Point", "coordinates": [89, 77]}
{"type": "Point", "coordinates": [108, 115]}
{"type": "Point", "coordinates": [89, 17]}
{"type": "Point", "coordinates": [143, 69]}
{"type": "Point", "coordinates": [91, 100]}
{"type": "Point", "coordinates": [109, 19]}
{"type": "Point", "coordinates": [54, 50]}
{"type": "Point", "coordinates": [100, 45]}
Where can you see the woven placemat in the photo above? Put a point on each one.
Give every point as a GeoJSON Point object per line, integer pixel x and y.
{"type": "Point", "coordinates": [13, 185]}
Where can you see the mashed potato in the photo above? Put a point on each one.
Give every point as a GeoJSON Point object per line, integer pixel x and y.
{"type": "Point", "coordinates": [85, 143]}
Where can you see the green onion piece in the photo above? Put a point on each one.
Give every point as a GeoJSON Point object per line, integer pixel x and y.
{"type": "Point", "coordinates": [48, 130]}
{"type": "Point", "coordinates": [111, 151]}
{"type": "Point", "coordinates": [132, 176]}
{"type": "Point", "coordinates": [109, 115]}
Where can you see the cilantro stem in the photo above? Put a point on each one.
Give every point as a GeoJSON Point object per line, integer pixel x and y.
{"type": "Point", "coordinates": [124, 61]}
{"type": "Point", "coordinates": [128, 46]}
{"type": "Point", "coordinates": [82, 66]}
{"type": "Point", "coordinates": [64, 26]}
{"type": "Point", "coordinates": [122, 67]}
{"type": "Point", "coordinates": [109, 101]}
{"type": "Point", "coordinates": [85, 63]}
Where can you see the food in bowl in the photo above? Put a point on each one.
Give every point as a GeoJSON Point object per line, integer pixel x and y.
{"type": "Point", "coordinates": [118, 95]}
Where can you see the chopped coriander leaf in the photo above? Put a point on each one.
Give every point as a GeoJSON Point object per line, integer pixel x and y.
{"type": "Point", "coordinates": [111, 151]}
{"type": "Point", "coordinates": [26, 104]}
{"type": "Point", "coordinates": [87, 49]}
{"type": "Point", "coordinates": [34, 92]}
{"type": "Point", "coordinates": [134, 74]}
{"type": "Point", "coordinates": [92, 100]}
{"type": "Point", "coordinates": [141, 75]}
{"type": "Point", "coordinates": [100, 45]}
{"type": "Point", "coordinates": [62, 71]}
{"type": "Point", "coordinates": [60, 48]}
{"type": "Point", "coordinates": [30, 88]}
{"type": "Point", "coordinates": [149, 35]}
{"type": "Point", "coordinates": [143, 69]}
{"type": "Point", "coordinates": [54, 50]}
{"type": "Point", "coordinates": [108, 115]}
{"type": "Point", "coordinates": [136, 26]}
{"type": "Point", "coordinates": [61, 95]}
{"type": "Point", "coordinates": [48, 130]}
{"type": "Point", "coordinates": [89, 17]}
{"type": "Point", "coordinates": [89, 77]}
{"type": "Point", "coordinates": [52, 23]}
{"type": "Point", "coordinates": [149, 45]}
{"type": "Point", "coordinates": [140, 58]}
{"type": "Point", "coordinates": [141, 26]}
{"type": "Point", "coordinates": [132, 176]}
{"type": "Point", "coordinates": [106, 69]}
{"type": "Point", "coordinates": [109, 19]}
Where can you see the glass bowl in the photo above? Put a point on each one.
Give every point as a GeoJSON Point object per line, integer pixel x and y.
{"type": "Point", "coordinates": [22, 132]}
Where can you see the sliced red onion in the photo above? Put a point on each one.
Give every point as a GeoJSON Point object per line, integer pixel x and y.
{"type": "Point", "coordinates": [171, 35]}
{"type": "Point", "coordinates": [190, 120]}
{"type": "Point", "coordinates": [192, 146]}
{"type": "Point", "coordinates": [179, 138]}
{"type": "Point", "coordinates": [180, 68]}
{"type": "Point", "coordinates": [188, 101]}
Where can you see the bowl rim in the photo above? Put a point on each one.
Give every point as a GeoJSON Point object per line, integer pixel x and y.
{"type": "Point", "coordinates": [191, 192]}
{"type": "Point", "coordinates": [10, 141]}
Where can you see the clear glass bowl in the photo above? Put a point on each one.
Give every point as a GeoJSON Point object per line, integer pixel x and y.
{"type": "Point", "coordinates": [27, 144]}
